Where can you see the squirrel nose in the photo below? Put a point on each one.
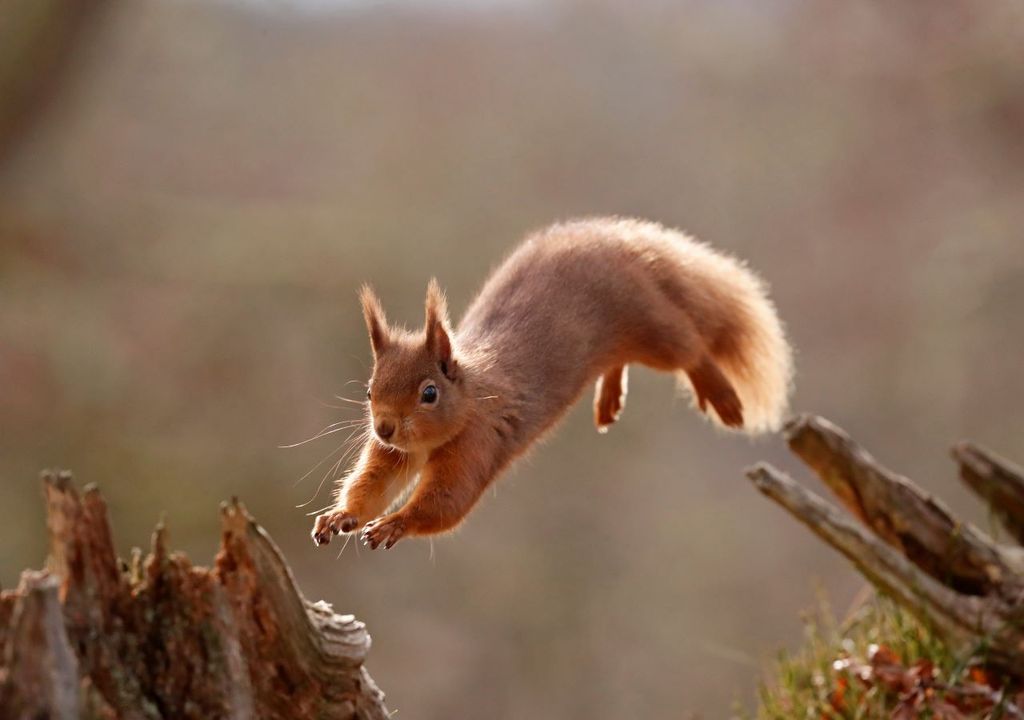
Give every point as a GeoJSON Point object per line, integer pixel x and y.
{"type": "Point", "coordinates": [385, 429]}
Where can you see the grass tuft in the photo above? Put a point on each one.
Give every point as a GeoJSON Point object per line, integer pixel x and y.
{"type": "Point", "coordinates": [880, 662]}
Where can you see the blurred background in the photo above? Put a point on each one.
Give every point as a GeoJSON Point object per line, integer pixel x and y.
{"type": "Point", "coordinates": [191, 194]}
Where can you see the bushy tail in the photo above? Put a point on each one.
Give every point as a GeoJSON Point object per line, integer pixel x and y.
{"type": "Point", "coordinates": [749, 345]}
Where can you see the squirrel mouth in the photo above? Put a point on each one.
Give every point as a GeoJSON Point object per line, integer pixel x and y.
{"type": "Point", "coordinates": [390, 443]}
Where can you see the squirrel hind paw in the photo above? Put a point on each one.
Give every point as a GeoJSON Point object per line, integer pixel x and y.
{"type": "Point", "coordinates": [711, 387]}
{"type": "Point", "coordinates": [609, 398]}
{"type": "Point", "coordinates": [605, 416]}
{"type": "Point", "coordinates": [729, 410]}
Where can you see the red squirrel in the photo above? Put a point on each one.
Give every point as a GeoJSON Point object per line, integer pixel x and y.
{"type": "Point", "coordinates": [574, 304]}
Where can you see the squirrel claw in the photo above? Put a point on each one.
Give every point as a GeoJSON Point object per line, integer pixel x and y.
{"type": "Point", "coordinates": [332, 523]}
{"type": "Point", "coordinates": [384, 531]}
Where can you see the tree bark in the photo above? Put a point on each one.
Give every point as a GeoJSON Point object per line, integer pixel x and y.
{"type": "Point", "coordinates": [998, 482]}
{"type": "Point", "coordinates": [38, 39]}
{"type": "Point", "coordinates": [158, 638]}
{"type": "Point", "coordinates": [947, 572]}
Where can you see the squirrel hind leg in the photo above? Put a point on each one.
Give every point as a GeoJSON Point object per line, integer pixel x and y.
{"type": "Point", "coordinates": [610, 397]}
{"type": "Point", "coordinates": [710, 386]}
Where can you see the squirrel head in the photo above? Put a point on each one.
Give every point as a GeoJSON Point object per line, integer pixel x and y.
{"type": "Point", "coordinates": [416, 394]}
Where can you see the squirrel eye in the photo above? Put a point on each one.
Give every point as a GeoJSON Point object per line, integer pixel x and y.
{"type": "Point", "coordinates": [429, 395]}
{"type": "Point", "coordinates": [367, 393]}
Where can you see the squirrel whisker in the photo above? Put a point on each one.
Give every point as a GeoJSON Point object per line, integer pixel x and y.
{"type": "Point", "coordinates": [349, 400]}
{"type": "Point", "coordinates": [322, 461]}
{"type": "Point", "coordinates": [334, 468]}
{"type": "Point", "coordinates": [337, 427]}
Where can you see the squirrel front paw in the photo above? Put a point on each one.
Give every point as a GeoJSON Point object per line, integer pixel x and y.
{"type": "Point", "coordinates": [384, 531]}
{"type": "Point", "coordinates": [333, 523]}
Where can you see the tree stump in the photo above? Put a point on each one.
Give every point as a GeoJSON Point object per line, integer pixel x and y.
{"type": "Point", "coordinates": [948, 573]}
{"type": "Point", "coordinates": [158, 638]}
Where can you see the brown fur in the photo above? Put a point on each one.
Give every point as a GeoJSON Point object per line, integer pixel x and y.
{"type": "Point", "coordinates": [575, 303]}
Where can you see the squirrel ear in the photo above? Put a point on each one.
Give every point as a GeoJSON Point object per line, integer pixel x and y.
{"type": "Point", "coordinates": [376, 322]}
{"type": "Point", "coordinates": [438, 333]}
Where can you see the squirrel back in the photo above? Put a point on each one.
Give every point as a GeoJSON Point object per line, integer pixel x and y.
{"type": "Point", "coordinates": [580, 297]}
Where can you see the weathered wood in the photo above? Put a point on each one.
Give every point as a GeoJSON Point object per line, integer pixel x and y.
{"type": "Point", "coordinates": [160, 638]}
{"type": "Point", "coordinates": [951, 575]}
{"type": "Point", "coordinates": [40, 672]}
{"type": "Point", "coordinates": [962, 619]}
{"type": "Point", "coordinates": [997, 481]}
{"type": "Point", "coordinates": [38, 39]}
{"type": "Point", "coordinates": [903, 514]}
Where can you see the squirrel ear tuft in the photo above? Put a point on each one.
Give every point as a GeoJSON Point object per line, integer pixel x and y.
{"type": "Point", "coordinates": [436, 328]}
{"type": "Point", "coordinates": [376, 321]}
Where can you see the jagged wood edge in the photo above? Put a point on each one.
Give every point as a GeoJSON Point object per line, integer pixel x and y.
{"type": "Point", "coordinates": [326, 645]}
{"type": "Point", "coordinates": [247, 609]}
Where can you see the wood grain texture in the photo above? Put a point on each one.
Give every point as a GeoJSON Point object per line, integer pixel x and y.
{"type": "Point", "coordinates": [159, 638]}
{"type": "Point", "coordinates": [997, 481]}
